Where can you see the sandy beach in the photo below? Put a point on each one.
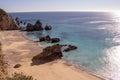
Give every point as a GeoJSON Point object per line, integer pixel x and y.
{"type": "Point", "coordinates": [19, 50]}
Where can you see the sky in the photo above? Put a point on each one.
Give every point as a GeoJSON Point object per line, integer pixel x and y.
{"type": "Point", "coordinates": [59, 5]}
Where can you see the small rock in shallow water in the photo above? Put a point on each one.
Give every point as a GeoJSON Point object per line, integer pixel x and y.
{"type": "Point", "coordinates": [70, 47]}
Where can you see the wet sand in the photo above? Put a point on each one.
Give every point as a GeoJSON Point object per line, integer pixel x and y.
{"type": "Point", "coordinates": [20, 50]}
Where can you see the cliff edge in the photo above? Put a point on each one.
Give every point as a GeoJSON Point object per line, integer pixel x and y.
{"type": "Point", "coordinates": [7, 22]}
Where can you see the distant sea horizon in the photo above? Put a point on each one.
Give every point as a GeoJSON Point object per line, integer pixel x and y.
{"type": "Point", "coordinates": [96, 34]}
{"type": "Point", "coordinates": [55, 11]}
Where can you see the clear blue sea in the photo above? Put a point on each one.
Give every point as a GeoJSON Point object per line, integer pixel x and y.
{"type": "Point", "coordinates": [96, 34]}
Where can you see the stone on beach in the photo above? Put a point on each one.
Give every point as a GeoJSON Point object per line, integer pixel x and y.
{"type": "Point", "coordinates": [49, 53]}
{"type": "Point", "coordinates": [44, 38]}
{"type": "Point", "coordinates": [17, 65]}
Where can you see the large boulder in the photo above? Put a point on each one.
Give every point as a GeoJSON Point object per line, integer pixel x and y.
{"type": "Point", "coordinates": [29, 27]}
{"type": "Point", "coordinates": [48, 27]}
{"type": "Point", "coordinates": [7, 22]}
{"type": "Point", "coordinates": [17, 65]}
{"type": "Point", "coordinates": [49, 53]}
{"type": "Point", "coordinates": [38, 25]}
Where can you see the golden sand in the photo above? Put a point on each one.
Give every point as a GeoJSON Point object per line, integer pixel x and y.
{"type": "Point", "coordinates": [19, 50]}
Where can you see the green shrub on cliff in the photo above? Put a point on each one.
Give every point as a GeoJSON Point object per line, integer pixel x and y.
{"type": "Point", "coordinates": [2, 66]}
{"type": "Point", "coordinates": [20, 76]}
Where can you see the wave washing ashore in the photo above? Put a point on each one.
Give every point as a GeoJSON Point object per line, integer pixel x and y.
{"type": "Point", "coordinates": [96, 34]}
{"type": "Point", "coordinates": [19, 50]}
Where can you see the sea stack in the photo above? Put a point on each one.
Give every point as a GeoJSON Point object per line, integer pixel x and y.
{"type": "Point", "coordinates": [48, 27]}
{"type": "Point", "coordinates": [7, 22]}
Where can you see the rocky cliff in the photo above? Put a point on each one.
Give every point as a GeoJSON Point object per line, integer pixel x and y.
{"type": "Point", "coordinates": [6, 21]}
{"type": "Point", "coordinates": [2, 66]}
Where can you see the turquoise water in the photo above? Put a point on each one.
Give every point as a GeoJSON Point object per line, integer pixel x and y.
{"type": "Point", "coordinates": [96, 34]}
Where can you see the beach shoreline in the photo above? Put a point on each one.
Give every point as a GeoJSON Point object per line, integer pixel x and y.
{"type": "Point", "coordinates": [66, 62]}
{"type": "Point", "coordinates": [19, 49]}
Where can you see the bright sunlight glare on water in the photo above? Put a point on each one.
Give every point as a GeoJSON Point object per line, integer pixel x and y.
{"type": "Point", "coordinates": [113, 53]}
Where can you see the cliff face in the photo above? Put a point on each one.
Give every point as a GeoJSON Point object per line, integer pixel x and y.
{"type": "Point", "coordinates": [2, 66]}
{"type": "Point", "coordinates": [6, 21]}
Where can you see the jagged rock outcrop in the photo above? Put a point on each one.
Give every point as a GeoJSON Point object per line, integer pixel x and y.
{"type": "Point", "coordinates": [49, 53]}
{"type": "Point", "coordinates": [29, 27]}
{"type": "Point", "coordinates": [36, 27]}
{"type": "Point", "coordinates": [7, 22]}
{"type": "Point", "coordinates": [48, 27]}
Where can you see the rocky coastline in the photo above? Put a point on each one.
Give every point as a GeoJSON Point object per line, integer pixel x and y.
{"type": "Point", "coordinates": [27, 57]}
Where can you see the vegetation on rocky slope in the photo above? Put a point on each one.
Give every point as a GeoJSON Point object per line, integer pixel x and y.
{"type": "Point", "coordinates": [20, 76]}
{"type": "Point", "coordinates": [2, 66]}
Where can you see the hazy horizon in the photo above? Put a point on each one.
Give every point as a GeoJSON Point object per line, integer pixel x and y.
{"type": "Point", "coordinates": [58, 6]}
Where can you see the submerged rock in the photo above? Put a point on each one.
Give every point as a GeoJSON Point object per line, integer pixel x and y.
{"type": "Point", "coordinates": [7, 22]}
{"type": "Point", "coordinates": [44, 38]}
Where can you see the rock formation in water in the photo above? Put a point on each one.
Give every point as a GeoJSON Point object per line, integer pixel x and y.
{"type": "Point", "coordinates": [70, 48]}
{"type": "Point", "coordinates": [48, 27]}
{"type": "Point", "coordinates": [49, 39]}
{"type": "Point", "coordinates": [36, 27]}
{"type": "Point", "coordinates": [51, 53]}
{"type": "Point", "coordinates": [7, 22]}
{"type": "Point", "coordinates": [29, 27]}
{"type": "Point", "coordinates": [2, 65]}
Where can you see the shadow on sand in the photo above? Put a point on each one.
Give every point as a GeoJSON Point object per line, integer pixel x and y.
{"type": "Point", "coordinates": [38, 62]}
